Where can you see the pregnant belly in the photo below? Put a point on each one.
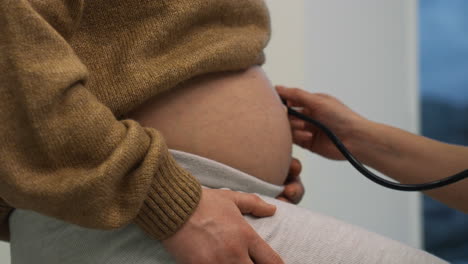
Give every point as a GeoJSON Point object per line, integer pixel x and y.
{"type": "Point", "coordinates": [233, 118]}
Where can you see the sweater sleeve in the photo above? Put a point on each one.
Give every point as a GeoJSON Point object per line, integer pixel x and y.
{"type": "Point", "coordinates": [64, 153]}
{"type": "Point", "coordinates": [5, 211]}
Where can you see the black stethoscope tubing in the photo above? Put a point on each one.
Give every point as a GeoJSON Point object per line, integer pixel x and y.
{"type": "Point", "coordinates": [367, 173]}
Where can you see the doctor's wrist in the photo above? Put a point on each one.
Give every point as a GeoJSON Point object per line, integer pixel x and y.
{"type": "Point", "coordinates": [362, 138]}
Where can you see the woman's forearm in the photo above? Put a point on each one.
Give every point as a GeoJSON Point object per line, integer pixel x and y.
{"type": "Point", "coordinates": [412, 159]}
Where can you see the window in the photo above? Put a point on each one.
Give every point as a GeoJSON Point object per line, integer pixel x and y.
{"type": "Point", "coordinates": [444, 108]}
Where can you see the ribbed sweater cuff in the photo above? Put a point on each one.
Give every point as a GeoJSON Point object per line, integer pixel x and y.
{"type": "Point", "coordinates": [4, 214]}
{"type": "Point", "coordinates": [173, 196]}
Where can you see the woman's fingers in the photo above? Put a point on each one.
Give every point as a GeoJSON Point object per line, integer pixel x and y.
{"type": "Point", "coordinates": [284, 199]}
{"type": "Point", "coordinates": [293, 189]}
{"type": "Point", "coordinates": [294, 192]}
{"type": "Point", "coordinates": [262, 253]}
{"type": "Point", "coordinates": [254, 205]}
{"type": "Point", "coordinates": [294, 170]}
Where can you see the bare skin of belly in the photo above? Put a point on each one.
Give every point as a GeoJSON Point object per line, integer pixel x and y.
{"type": "Point", "coordinates": [234, 118]}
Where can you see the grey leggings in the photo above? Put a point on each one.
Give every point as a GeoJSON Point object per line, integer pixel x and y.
{"type": "Point", "coordinates": [297, 234]}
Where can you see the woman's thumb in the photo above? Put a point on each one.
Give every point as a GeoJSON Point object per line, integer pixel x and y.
{"type": "Point", "coordinates": [254, 205]}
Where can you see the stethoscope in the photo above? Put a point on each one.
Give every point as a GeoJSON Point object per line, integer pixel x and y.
{"type": "Point", "coordinates": [368, 174]}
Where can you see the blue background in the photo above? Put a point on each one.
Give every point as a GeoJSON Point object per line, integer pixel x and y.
{"type": "Point", "coordinates": [444, 108]}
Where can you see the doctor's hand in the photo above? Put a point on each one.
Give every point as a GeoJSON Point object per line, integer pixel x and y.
{"type": "Point", "coordinates": [329, 111]}
{"type": "Point", "coordinates": [218, 233]}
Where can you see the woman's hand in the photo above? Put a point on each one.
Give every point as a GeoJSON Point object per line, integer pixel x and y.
{"type": "Point", "coordinates": [329, 111]}
{"type": "Point", "coordinates": [218, 233]}
{"type": "Point", "coordinates": [293, 189]}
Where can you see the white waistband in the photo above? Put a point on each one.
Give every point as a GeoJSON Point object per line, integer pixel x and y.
{"type": "Point", "coordinates": [217, 175]}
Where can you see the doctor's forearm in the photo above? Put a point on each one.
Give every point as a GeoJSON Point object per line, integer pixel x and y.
{"type": "Point", "coordinates": [412, 159]}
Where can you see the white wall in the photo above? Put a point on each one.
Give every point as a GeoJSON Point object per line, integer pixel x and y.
{"type": "Point", "coordinates": [365, 53]}
{"type": "Point", "coordinates": [4, 253]}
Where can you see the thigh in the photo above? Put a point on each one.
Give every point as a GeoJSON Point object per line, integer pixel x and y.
{"type": "Point", "coordinates": [297, 234]}
{"type": "Point", "coordinates": [36, 238]}
{"type": "Point", "coordinates": [302, 236]}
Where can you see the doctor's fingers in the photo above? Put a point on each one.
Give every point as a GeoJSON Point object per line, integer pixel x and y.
{"type": "Point", "coordinates": [299, 98]}
{"type": "Point", "coordinates": [303, 138]}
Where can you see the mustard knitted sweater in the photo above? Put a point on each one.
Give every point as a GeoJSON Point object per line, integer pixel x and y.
{"type": "Point", "coordinates": [69, 72]}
